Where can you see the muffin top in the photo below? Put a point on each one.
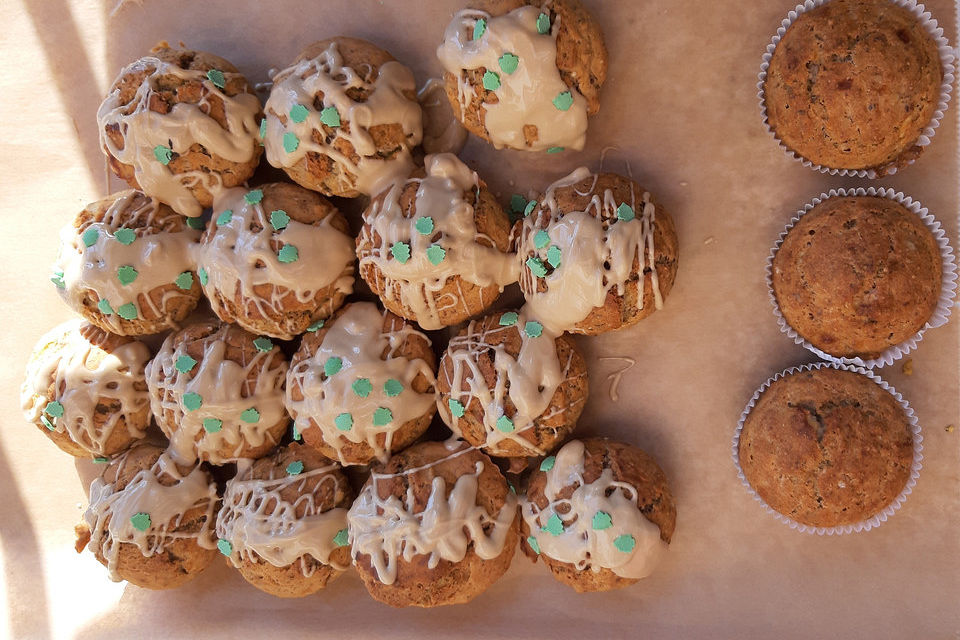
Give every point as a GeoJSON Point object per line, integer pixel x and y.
{"type": "Point", "coordinates": [852, 84]}
{"type": "Point", "coordinates": [856, 275]}
{"type": "Point", "coordinates": [826, 447]}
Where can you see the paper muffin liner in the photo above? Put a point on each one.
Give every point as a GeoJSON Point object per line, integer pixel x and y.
{"type": "Point", "coordinates": [948, 278]}
{"type": "Point", "coordinates": [947, 63]}
{"type": "Point", "coordinates": [865, 525]}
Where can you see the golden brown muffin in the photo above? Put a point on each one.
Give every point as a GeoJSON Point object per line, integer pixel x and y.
{"type": "Point", "coordinates": [504, 360]}
{"type": "Point", "coordinates": [361, 387]}
{"type": "Point", "coordinates": [586, 254]}
{"type": "Point", "coordinates": [124, 265]}
{"type": "Point", "coordinates": [177, 114]}
{"type": "Point", "coordinates": [599, 514]}
{"type": "Point", "coordinates": [826, 447]}
{"type": "Point", "coordinates": [318, 118]}
{"type": "Point", "coordinates": [852, 85]}
{"type": "Point", "coordinates": [85, 389]}
{"type": "Point", "coordinates": [283, 523]}
{"type": "Point", "coordinates": [447, 564]}
{"type": "Point", "coordinates": [276, 259]}
{"type": "Point", "coordinates": [435, 248]}
{"type": "Point", "coordinates": [150, 521]}
{"type": "Point", "coordinates": [857, 275]}
{"type": "Point", "coordinates": [217, 393]}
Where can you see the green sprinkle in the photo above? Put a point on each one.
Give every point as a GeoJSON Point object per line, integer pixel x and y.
{"type": "Point", "coordinates": [195, 223]}
{"type": "Point", "coordinates": [508, 62]}
{"type": "Point", "coordinates": [163, 154]}
{"type": "Point", "coordinates": [184, 281]}
{"type": "Point", "coordinates": [392, 388]}
{"type": "Point", "coordinates": [299, 113]}
{"type": "Point", "coordinates": [625, 543]}
{"type": "Point", "coordinates": [529, 208]}
{"type": "Point", "coordinates": [536, 267]}
{"type": "Point", "coordinates": [89, 237]}
{"type": "Point", "coordinates": [424, 225]}
{"type": "Point", "coordinates": [508, 319]}
{"type": "Point", "coordinates": [105, 308]}
{"type": "Point", "coordinates": [192, 401]}
{"type": "Point", "coordinates": [382, 416]}
{"type": "Point", "coordinates": [479, 27]}
{"type": "Point", "coordinates": [362, 387]}
{"type": "Point", "coordinates": [436, 254]}
{"type": "Point", "coordinates": [250, 416]}
{"type": "Point", "coordinates": [316, 326]}
{"type": "Point", "coordinates": [253, 197]}
{"type": "Point", "coordinates": [602, 520]}
{"type": "Point", "coordinates": [279, 219]}
{"type": "Point", "coordinates": [541, 239]}
{"type": "Point", "coordinates": [295, 468]}
{"type": "Point", "coordinates": [534, 544]}
{"type": "Point", "coordinates": [625, 212]}
{"type": "Point", "coordinates": [212, 425]}
{"type": "Point", "coordinates": [263, 344]}
{"type": "Point", "coordinates": [57, 279]}
{"type": "Point", "coordinates": [533, 329]}
{"type": "Point", "coordinates": [491, 80]}
{"type": "Point", "coordinates": [548, 463]}
{"type": "Point", "coordinates": [185, 364]}
{"type": "Point", "coordinates": [216, 77]}
{"type": "Point", "coordinates": [101, 460]}
{"type": "Point", "coordinates": [140, 521]}
{"type": "Point", "coordinates": [290, 142]}
{"type": "Point", "coordinates": [225, 547]}
{"type": "Point", "coordinates": [330, 117]}
{"type": "Point", "coordinates": [505, 424]}
{"type": "Point", "coordinates": [54, 409]}
{"type": "Point", "coordinates": [513, 489]}
{"type": "Point", "coordinates": [332, 366]}
{"type": "Point", "coordinates": [554, 525]}
{"type": "Point", "coordinates": [202, 274]}
{"type": "Point", "coordinates": [126, 274]}
{"type": "Point", "coordinates": [341, 539]}
{"type": "Point", "coordinates": [517, 203]}
{"type": "Point", "coordinates": [127, 311]}
{"type": "Point", "coordinates": [125, 236]}
{"type": "Point", "coordinates": [563, 101]}
{"type": "Point", "coordinates": [343, 422]}
{"type": "Point", "coordinates": [554, 149]}
{"type": "Point", "coordinates": [553, 256]}
{"type": "Point", "coordinates": [46, 422]}
{"type": "Point", "coordinates": [288, 253]}
{"type": "Point", "coordinates": [263, 128]}
{"type": "Point", "coordinates": [296, 433]}
{"type": "Point", "coordinates": [456, 407]}
{"type": "Point", "coordinates": [543, 23]}
{"type": "Point", "coordinates": [225, 217]}
{"type": "Point", "coordinates": [400, 252]}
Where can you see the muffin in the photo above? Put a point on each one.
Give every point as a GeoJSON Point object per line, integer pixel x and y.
{"type": "Point", "coordinates": [276, 259]}
{"type": "Point", "coordinates": [433, 526]}
{"type": "Point", "coordinates": [343, 118]}
{"type": "Point", "coordinates": [283, 523]}
{"type": "Point", "coordinates": [361, 387]}
{"type": "Point", "coordinates": [180, 125]}
{"type": "Point", "coordinates": [853, 84]}
{"type": "Point", "coordinates": [85, 389]}
{"type": "Point", "coordinates": [510, 387]}
{"type": "Point", "coordinates": [150, 520]}
{"type": "Point", "coordinates": [856, 275]}
{"type": "Point", "coordinates": [217, 393]}
{"type": "Point", "coordinates": [826, 447]}
{"type": "Point", "coordinates": [598, 253]}
{"type": "Point", "coordinates": [436, 247]}
{"type": "Point", "coordinates": [599, 514]}
{"type": "Point", "coordinates": [125, 265]}
{"type": "Point", "coordinates": [524, 75]}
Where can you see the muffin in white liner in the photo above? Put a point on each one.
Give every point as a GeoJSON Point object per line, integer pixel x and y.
{"type": "Point", "coordinates": [947, 62]}
{"type": "Point", "coordinates": [945, 302]}
{"type": "Point", "coordinates": [869, 523]}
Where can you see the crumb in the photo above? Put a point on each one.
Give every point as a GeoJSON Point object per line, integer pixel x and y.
{"type": "Point", "coordinates": [709, 240]}
{"type": "Point", "coordinates": [907, 367]}
{"type": "Point", "coordinates": [949, 428]}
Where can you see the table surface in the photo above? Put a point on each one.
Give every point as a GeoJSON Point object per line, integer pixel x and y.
{"type": "Point", "coordinates": [680, 109]}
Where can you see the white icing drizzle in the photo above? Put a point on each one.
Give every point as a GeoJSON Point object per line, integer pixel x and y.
{"type": "Point", "coordinates": [525, 97]}
{"type": "Point", "coordinates": [417, 285]}
{"type": "Point", "coordinates": [366, 351]}
{"type": "Point", "coordinates": [110, 510]}
{"type": "Point", "coordinates": [385, 104]}
{"type": "Point", "coordinates": [238, 259]}
{"type": "Point", "coordinates": [442, 132]}
{"type": "Point", "coordinates": [158, 257]}
{"type": "Point", "coordinates": [68, 366]}
{"type": "Point", "coordinates": [388, 530]}
{"type": "Point", "coordinates": [261, 525]}
{"type": "Point", "coordinates": [595, 255]}
{"type": "Point", "coordinates": [580, 544]}
{"type": "Point", "coordinates": [184, 125]}
{"type": "Point", "coordinates": [617, 375]}
{"type": "Point", "coordinates": [226, 393]}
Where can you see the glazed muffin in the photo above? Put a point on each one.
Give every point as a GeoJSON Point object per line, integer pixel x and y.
{"type": "Point", "coordinates": [217, 393]}
{"type": "Point", "coordinates": [599, 514]}
{"type": "Point", "coordinates": [826, 447]}
{"type": "Point", "coordinates": [85, 389]}
{"type": "Point", "coordinates": [510, 387]}
{"type": "Point", "coordinates": [856, 275]}
{"type": "Point", "coordinates": [435, 248]}
{"type": "Point", "coordinates": [407, 545]}
{"type": "Point", "coordinates": [180, 125]}
{"type": "Point", "coordinates": [852, 84]}
{"type": "Point", "coordinates": [598, 253]}
{"type": "Point", "coordinates": [276, 259]}
{"type": "Point", "coordinates": [124, 265]}
{"type": "Point", "coordinates": [283, 523]}
{"type": "Point", "coordinates": [150, 520]}
{"type": "Point", "coordinates": [524, 75]}
{"type": "Point", "coordinates": [343, 118]}
{"type": "Point", "coordinates": [361, 386]}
